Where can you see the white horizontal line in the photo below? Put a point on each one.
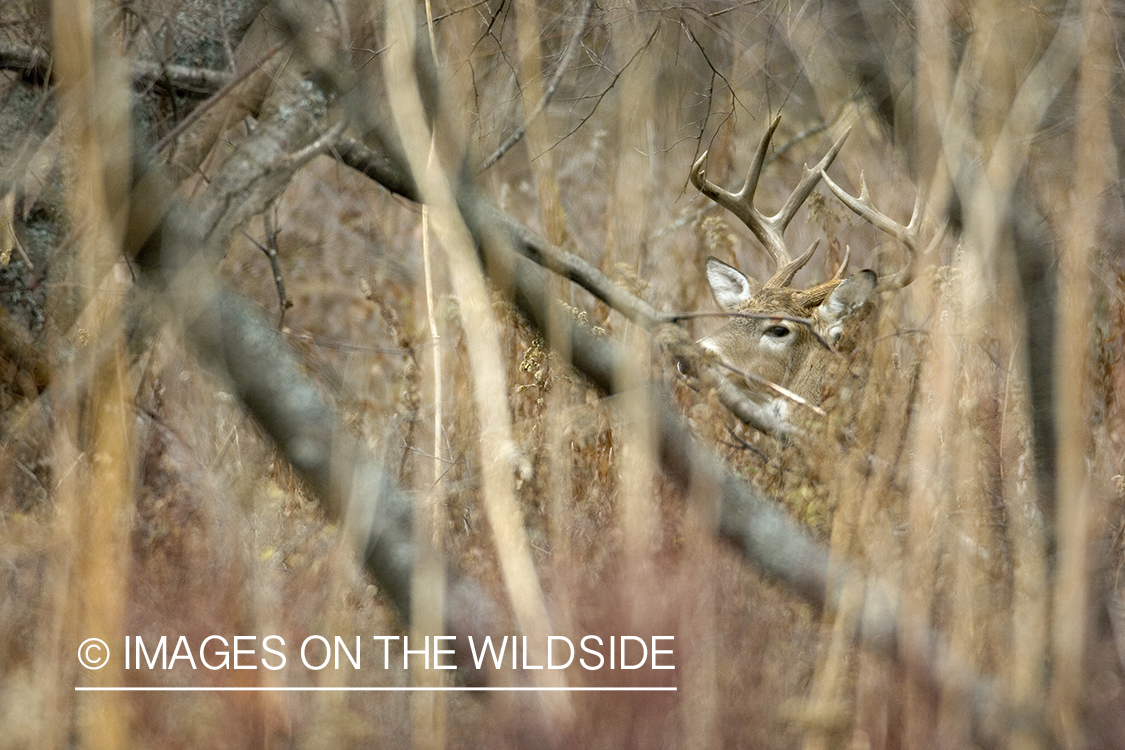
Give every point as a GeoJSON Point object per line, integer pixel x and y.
{"type": "Point", "coordinates": [367, 689]}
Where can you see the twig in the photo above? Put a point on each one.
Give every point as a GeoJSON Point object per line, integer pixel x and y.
{"type": "Point", "coordinates": [779, 390]}
{"type": "Point", "coordinates": [217, 97]}
{"type": "Point", "coordinates": [34, 62]}
{"type": "Point", "coordinates": [612, 83]}
{"type": "Point", "coordinates": [269, 247]}
{"type": "Point", "coordinates": [548, 93]}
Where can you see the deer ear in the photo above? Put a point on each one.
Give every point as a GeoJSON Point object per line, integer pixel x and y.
{"type": "Point", "coordinates": [850, 295]}
{"type": "Point", "coordinates": [729, 285]}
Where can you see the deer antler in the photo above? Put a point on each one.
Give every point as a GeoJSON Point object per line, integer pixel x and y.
{"type": "Point", "coordinates": [907, 235]}
{"type": "Point", "coordinates": [769, 230]}
{"type": "Point", "coordinates": [843, 267]}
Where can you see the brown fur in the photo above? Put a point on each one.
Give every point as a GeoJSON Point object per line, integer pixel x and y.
{"type": "Point", "coordinates": [794, 349]}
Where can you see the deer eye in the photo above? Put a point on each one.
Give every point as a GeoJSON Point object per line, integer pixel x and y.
{"type": "Point", "coordinates": [777, 331]}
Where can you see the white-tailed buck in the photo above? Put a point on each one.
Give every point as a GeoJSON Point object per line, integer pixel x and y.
{"type": "Point", "coordinates": [781, 340]}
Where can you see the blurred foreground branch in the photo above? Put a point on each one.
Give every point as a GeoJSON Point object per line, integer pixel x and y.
{"type": "Point", "coordinates": [767, 537]}
{"type": "Point", "coordinates": [354, 489]}
{"type": "Point", "coordinates": [35, 63]}
{"type": "Point", "coordinates": [351, 487]}
{"type": "Point", "coordinates": [380, 167]}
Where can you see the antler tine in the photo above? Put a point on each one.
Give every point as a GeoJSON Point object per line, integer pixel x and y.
{"type": "Point", "coordinates": [785, 274]}
{"type": "Point", "coordinates": [800, 194]}
{"type": "Point", "coordinates": [843, 269]}
{"type": "Point", "coordinates": [755, 171]}
{"type": "Point", "coordinates": [907, 235]}
{"type": "Point", "coordinates": [741, 204]}
{"type": "Point", "coordinates": [811, 177]}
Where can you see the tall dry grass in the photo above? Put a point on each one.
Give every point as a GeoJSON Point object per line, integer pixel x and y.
{"type": "Point", "coordinates": [142, 501]}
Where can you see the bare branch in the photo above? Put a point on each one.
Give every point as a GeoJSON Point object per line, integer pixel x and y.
{"type": "Point", "coordinates": [353, 490]}
{"type": "Point", "coordinates": [36, 63]}
{"type": "Point", "coordinates": [549, 92]}
{"type": "Point", "coordinates": [527, 243]}
{"type": "Point", "coordinates": [779, 390]}
{"type": "Point", "coordinates": [269, 249]}
{"type": "Point", "coordinates": [217, 97]}
{"type": "Point", "coordinates": [765, 535]}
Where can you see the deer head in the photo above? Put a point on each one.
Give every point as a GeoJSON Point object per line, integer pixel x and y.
{"type": "Point", "coordinates": [781, 340]}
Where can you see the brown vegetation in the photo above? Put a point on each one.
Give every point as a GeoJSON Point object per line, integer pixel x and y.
{"type": "Point", "coordinates": [248, 386]}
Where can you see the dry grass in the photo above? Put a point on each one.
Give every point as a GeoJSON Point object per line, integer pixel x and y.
{"type": "Point", "coordinates": [139, 500]}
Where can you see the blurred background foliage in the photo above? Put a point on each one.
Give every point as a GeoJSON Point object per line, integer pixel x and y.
{"type": "Point", "coordinates": [970, 459]}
